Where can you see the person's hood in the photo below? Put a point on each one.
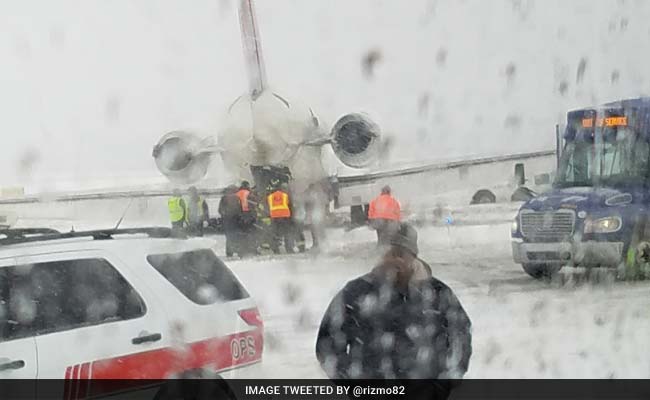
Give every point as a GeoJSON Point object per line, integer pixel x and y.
{"type": "Point", "coordinates": [422, 271]}
{"type": "Point", "coordinates": [381, 272]}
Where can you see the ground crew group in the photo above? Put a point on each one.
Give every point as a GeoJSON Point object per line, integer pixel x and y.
{"type": "Point", "coordinates": [253, 221]}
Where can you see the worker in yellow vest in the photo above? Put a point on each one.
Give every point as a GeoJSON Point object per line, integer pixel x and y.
{"type": "Point", "coordinates": [279, 206]}
{"type": "Point", "coordinates": [177, 210]}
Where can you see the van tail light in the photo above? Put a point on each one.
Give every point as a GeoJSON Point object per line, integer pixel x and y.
{"type": "Point", "coordinates": [252, 317]}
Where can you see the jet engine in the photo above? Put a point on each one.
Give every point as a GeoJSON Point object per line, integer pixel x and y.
{"type": "Point", "coordinates": [182, 157]}
{"type": "Point", "coordinates": [356, 140]}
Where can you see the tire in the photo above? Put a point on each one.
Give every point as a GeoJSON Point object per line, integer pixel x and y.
{"type": "Point", "coordinates": [522, 194]}
{"type": "Point", "coordinates": [483, 197]}
{"type": "Point", "coordinates": [358, 215]}
{"type": "Point", "coordinates": [541, 271]}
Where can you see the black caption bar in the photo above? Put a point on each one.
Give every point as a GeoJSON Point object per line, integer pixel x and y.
{"type": "Point", "coordinates": [323, 389]}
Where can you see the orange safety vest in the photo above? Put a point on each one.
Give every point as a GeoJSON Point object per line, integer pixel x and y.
{"type": "Point", "coordinates": [384, 207]}
{"type": "Point", "coordinates": [243, 197]}
{"type": "Point", "coordinates": [279, 205]}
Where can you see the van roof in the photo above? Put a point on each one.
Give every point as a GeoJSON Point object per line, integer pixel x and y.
{"type": "Point", "coordinates": [25, 242]}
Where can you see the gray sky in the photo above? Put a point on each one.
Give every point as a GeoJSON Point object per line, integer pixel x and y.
{"type": "Point", "coordinates": [88, 86]}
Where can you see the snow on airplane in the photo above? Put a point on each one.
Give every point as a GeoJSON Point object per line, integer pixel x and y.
{"type": "Point", "coordinates": [268, 137]}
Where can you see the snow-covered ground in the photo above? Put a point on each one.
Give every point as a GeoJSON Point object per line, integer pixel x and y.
{"type": "Point", "coordinates": [572, 327]}
{"type": "Point", "coordinates": [569, 328]}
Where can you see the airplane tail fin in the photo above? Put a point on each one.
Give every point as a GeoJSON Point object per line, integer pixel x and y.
{"type": "Point", "coordinates": [252, 46]}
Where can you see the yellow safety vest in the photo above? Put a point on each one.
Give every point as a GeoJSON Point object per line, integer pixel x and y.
{"type": "Point", "coordinates": [176, 210]}
{"type": "Point", "coordinates": [279, 205]}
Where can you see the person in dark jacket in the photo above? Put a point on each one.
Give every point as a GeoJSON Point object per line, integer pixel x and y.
{"type": "Point", "coordinates": [396, 322]}
{"type": "Point", "coordinates": [230, 211]}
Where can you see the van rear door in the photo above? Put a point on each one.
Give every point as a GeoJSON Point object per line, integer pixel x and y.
{"type": "Point", "coordinates": [212, 311]}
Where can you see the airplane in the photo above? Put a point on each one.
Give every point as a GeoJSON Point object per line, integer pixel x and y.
{"type": "Point", "coordinates": [267, 137]}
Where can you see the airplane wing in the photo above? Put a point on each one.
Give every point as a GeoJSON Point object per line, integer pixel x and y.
{"type": "Point", "coordinates": [104, 195]}
{"type": "Point", "coordinates": [352, 180]}
{"type": "Point", "coordinates": [343, 181]}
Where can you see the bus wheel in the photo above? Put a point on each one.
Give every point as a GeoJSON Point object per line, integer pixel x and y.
{"type": "Point", "coordinates": [541, 271]}
{"type": "Point", "coordinates": [522, 193]}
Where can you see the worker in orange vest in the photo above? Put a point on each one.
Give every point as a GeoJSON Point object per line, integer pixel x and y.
{"type": "Point", "coordinates": [280, 211]}
{"type": "Point", "coordinates": [384, 215]}
{"type": "Point", "coordinates": [247, 218]}
{"type": "Point", "coordinates": [243, 193]}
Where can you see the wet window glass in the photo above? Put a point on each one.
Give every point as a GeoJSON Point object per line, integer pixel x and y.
{"type": "Point", "coordinates": [38, 299]}
{"type": "Point", "coordinates": [575, 167]}
{"type": "Point", "coordinates": [200, 275]}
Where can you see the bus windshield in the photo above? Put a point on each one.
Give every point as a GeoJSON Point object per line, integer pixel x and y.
{"type": "Point", "coordinates": [619, 157]}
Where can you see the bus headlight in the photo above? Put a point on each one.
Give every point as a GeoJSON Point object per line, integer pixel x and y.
{"type": "Point", "coordinates": [514, 228]}
{"type": "Point", "coordinates": [603, 225]}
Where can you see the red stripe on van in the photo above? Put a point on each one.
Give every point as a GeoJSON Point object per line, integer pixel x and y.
{"type": "Point", "coordinates": [66, 385]}
{"type": "Point", "coordinates": [215, 354]}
